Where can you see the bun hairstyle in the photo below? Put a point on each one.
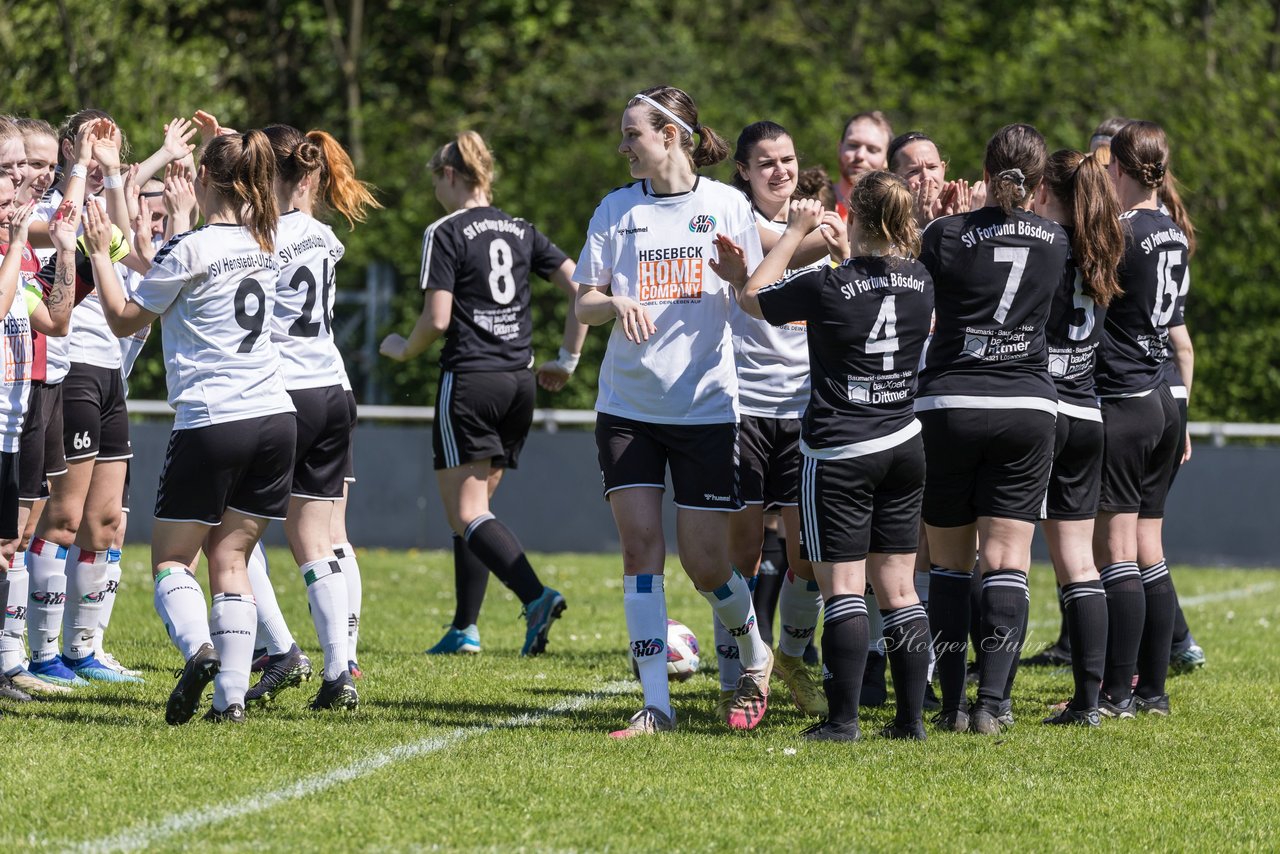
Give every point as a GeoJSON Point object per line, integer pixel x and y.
{"type": "Point", "coordinates": [1141, 150]}
{"type": "Point", "coordinates": [1081, 183]}
{"type": "Point", "coordinates": [1014, 164]}
{"type": "Point", "coordinates": [71, 127]}
{"type": "Point", "coordinates": [814, 183]}
{"type": "Point", "coordinates": [668, 105]}
{"type": "Point", "coordinates": [469, 158]}
{"type": "Point", "coordinates": [885, 208]}
{"type": "Point", "coordinates": [751, 136]}
{"type": "Point", "coordinates": [299, 155]}
{"type": "Point", "coordinates": [241, 168]}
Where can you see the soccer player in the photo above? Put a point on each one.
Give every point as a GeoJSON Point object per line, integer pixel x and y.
{"type": "Point", "coordinates": [669, 388]}
{"type": "Point", "coordinates": [476, 262]}
{"type": "Point", "coordinates": [863, 477]}
{"type": "Point", "coordinates": [864, 147]}
{"type": "Point", "coordinates": [229, 464]}
{"type": "Point", "coordinates": [988, 408]}
{"type": "Point", "coordinates": [915, 158]}
{"type": "Point", "coordinates": [773, 389]}
{"type": "Point", "coordinates": [1077, 194]}
{"type": "Point", "coordinates": [1143, 433]}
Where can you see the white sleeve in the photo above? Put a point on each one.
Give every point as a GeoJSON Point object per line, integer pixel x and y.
{"type": "Point", "coordinates": [161, 286]}
{"type": "Point", "coordinates": [595, 265]}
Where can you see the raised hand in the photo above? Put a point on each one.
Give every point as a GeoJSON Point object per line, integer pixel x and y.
{"type": "Point", "coordinates": [65, 227]}
{"type": "Point", "coordinates": [177, 138]}
{"type": "Point", "coordinates": [19, 221]}
{"type": "Point", "coordinates": [835, 233]}
{"type": "Point", "coordinates": [731, 265]}
{"type": "Point", "coordinates": [805, 214]}
{"type": "Point", "coordinates": [106, 145]}
{"type": "Point", "coordinates": [179, 197]}
{"type": "Point", "coordinates": [97, 230]}
{"type": "Point", "coordinates": [209, 127]}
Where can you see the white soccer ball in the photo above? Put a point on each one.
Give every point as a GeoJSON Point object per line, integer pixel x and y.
{"type": "Point", "coordinates": [682, 652]}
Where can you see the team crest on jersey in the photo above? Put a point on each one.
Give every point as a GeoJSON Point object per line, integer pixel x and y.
{"type": "Point", "coordinates": [859, 391]}
{"type": "Point", "coordinates": [702, 223]}
{"type": "Point", "coordinates": [976, 345]}
{"type": "Point", "coordinates": [1059, 364]}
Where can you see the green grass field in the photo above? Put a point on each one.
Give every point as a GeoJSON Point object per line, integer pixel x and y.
{"type": "Point", "coordinates": [498, 752]}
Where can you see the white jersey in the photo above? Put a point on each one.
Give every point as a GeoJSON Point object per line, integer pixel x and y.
{"type": "Point", "coordinates": [131, 345]}
{"type": "Point", "coordinates": [773, 361]}
{"type": "Point", "coordinates": [655, 250]}
{"type": "Point", "coordinates": [16, 387]}
{"type": "Point", "coordinates": [214, 289]}
{"type": "Point", "coordinates": [301, 324]}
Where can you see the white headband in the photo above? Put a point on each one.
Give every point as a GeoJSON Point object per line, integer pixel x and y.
{"type": "Point", "coordinates": [679, 121]}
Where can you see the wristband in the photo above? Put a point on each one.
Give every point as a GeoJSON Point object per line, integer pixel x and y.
{"type": "Point", "coordinates": [567, 360]}
{"type": "Point", "coordinates": [112, 182]}
{"type": "Point", "coordinates": [79, 171]}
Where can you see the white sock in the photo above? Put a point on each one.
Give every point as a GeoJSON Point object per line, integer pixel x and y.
{"type": "Point", "coordinates": [15, 616]}
{"type": "Point", "coordinates": [231, 621]}
{"type": "Point", "coordinates": [355, 593]}
{"type": "Point", "coordinates": [726, 655]}
{"type": "Point", "coordinates": [327, 593]}
{"type": "Point", "coordinates": [109, 603]}
{"type": "Point", "coordinates": [798, 605]}
{"type": "Point", "coordinates": [875, 624]}
{"type": "Point", "coordinates": [46, 597]}
{"type": "Point", "coordinates": [180, 603]}
{"type": "Point", "coordinates": [732, 604]}
{"type": "Point", "coordinates": [86, 593]}
{"type": "Point", "coordinates": [645, 602]}
{"type": "Point", "coordinates": [273, 631]}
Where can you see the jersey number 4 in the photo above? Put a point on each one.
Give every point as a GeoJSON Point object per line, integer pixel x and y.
{"type": "Point", "coordinates": [884, 333]}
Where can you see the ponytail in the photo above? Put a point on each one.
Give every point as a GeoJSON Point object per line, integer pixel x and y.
{"type": "Point", "coordinates": [884, 207]}
{"type": "Point", "coordinates": [339, 187]}
{"type": "Point", "coordinates": [241, 168]}
{"type": "Point", "coordinates": [668, 105]}
{"type": "Point", "coordinates": [711, 148]}
{"type": "Point", "coordinates": [1097, 241]}
{"type": "Point", "coordinates": [1177, 210]}
{"type": "Point", "coordinates": [1014, 164]}
{"type": "Point", "coordinates": [469, 158]}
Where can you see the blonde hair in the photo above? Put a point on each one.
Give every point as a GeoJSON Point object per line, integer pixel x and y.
{"type": "Point", "coordinates": [469, 158]}
{"type": "Point", "coordinates": [884, 207]}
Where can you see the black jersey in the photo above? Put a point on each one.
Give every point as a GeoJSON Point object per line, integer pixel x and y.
{"type": "Point", "coordinates": [484, 257]}
{"type": "Point", "coordinates": [1170, 372]}
{"type": "Point", "coordinates": [1073, 335]}
{"type": "Point", "coordinates": [1135, 340]}
{"type": "Point", "coordinates": [994, 276]}
{"type": "Point", "coordinates": [868, 320]}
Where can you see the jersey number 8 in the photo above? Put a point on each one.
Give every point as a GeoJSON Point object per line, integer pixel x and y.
{"type": "Point", "coordinates": [502, 282]}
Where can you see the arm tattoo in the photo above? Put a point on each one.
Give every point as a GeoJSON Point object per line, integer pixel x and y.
{"type": "Point", "coordinates": [64, 284]}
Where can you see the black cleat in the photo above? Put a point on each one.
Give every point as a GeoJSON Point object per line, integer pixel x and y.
{"type": "Point", "coordinates": [953, 721]}
{"type": "Point", "coordinates": [1158, 706]}
{"type": "Point", "coordinates": [232, 714]}
{"type": "Point", "coordinates": [1051, 656]}
{"type": "Point", "coordinates": [984, 722]}
{"type": "Point", "coordinates": [9, 691]}
{"type": "Point", "coordinates": [931, 701]}
{"type": "Point", "coordinates": [195, 675]}
{"type": "Point", "coordinates": [339, 693]}
{"type": "Point", "coordinates": [874, 691]}
{"type": "Point", "coordinates": [914, 732]}
{"type": "Point", "coordinates": [286, 670]}
{"type": "Point", "coordinates": [1118, 709]}
{"type": "Point", "coordinates": [1005, 715]}
{"type": "Point", "coordinates": [828, 731]}
{"type": "Point", "coordinates": [1071, 717]}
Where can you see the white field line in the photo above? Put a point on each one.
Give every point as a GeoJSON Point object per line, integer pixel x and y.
{"type": "Point", "coordinates": [1192, 601]}
{"type": "Point", "coordinates": [145, 835]}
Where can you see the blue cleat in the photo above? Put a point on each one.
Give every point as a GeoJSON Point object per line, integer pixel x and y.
{"type": "Point", "coordinates": [53, 671]}
{"type": "Point", "coordinates": [92, 670]}
{"type": "Point", "coordinates": [540, 614]}
{"type": "Point", "coordinates": [458, 642]}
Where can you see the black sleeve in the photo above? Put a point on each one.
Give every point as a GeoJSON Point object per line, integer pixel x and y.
{"type": "Point", "coordinates": [439, 259]}
{"type": "Point", "coordinates": [794, 298]}
{"type": "Point", "coordinates": [546, 257]}
{"type": "Point", "coordinates": [931, 247]}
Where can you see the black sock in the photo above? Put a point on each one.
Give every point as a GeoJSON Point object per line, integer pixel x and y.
{"type": "Point", "coordinates": [1013, 666]}
{"type": "Point", "coordinates": [949, 622]}
{"type": "Point", "coordinates": [1086, 603]}
{"type": "Point", "coordinates": [497, 548]}
{"type": "Point", "coordinates": [1126, 612]}
{"type": "Point", "coordinates": [975, 614]}
{"type": "Point", "coordinates": [1157, 630]}
{"type": "Point", "coordinates": [1004, 612]}
{"type": "Point", "coordinates": [1181, 631]}
{"type": "Point", "coordinates": [1064, 631]}
{"type": "Point", "coordinates": [470, 579]}
{"type": "Point", "coordinates": [844, 655]}
{"type": "Point", "coordinates": [773, 568]}
{"type": "Point", "coordinates": [906, 640]}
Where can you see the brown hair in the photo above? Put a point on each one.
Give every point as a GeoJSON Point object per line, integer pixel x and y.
{"type": "Point", "coordinates": [1106, 129]}
{"type": "Point", "coordinates": [814, 183]}
{"type": "Point", "coordinates": [751, 136]}
{"type": "Point", "coordinates": [35, 127]}
{"type": "Point", "coordinates": [876, 117]}
{"type": "Point", "coordinates": [298, 155]}
{"type": "Point", "coordinates": [1141, 150]}
{"type": "Point", "coordinates": [1097, 241]}
{"type": "Point", "coordinates": [1014, 164]}
{"type": "Point", "coordinates": [8, 128]}
{"type": "Point", "coordinates": [711, 148]}
{"type": "Point", "coordinates": [469, 158]}
{"type": "Point", "coordinates": [242, 168]}
{"type": "Point", "coordinates": [71, 127]}
{"type": "Point", "coordinates": [884, 207]}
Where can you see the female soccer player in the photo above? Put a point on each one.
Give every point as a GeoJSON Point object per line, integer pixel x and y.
{"type": "Point", "coordinates": [668, 387]}
{"type": "Point", "coordinates": [228, 468]}
{"type": "Point", "coordinates": [863, 476]}
{"type": "Point", "coordinates": [1142, 430]}
{"type": "Point", "coordinates": [915, 158]}
{"type": "Point", "coordinates": [1077, 194]}
{"type": "Point", "coordinates": [773, 389]}
{"type": "Point", "coordinates": [988, 407]}
{"type": "Point", "coordinates": [476, 262]}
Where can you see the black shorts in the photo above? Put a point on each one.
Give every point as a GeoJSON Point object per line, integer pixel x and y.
{"type": "Point", "coordinates": [769, 461]}
{"type": "Point", "coordinates": [1181, 403]}
{"type": "Point", "coordinates": [124, 493]}
{"type": "Point", "coordinates": [985, 462]}
{"type": "Point", "coordinates": [40, 454]}
{"type": "Point", "coordinates": [95, 421]}
{"type": "Point", "coordinates": [324, 441]}
{"type": "Point", "coordinates": [9, 495]}
{"type": "Point", "coordinates": [1076, 476]}
{"type": "Point", "coordinates": [1137, 460]}
{"type": "Point", "coordinates": [870, 504]}
{"type": "Point", "coordinates": [349, 464]}
{"type": "Point", "coordinates": [703, 460]}
{"type": "Point", "coordinates": [483, 415]}
{"type": "Point", "coordinates": [245, 466]}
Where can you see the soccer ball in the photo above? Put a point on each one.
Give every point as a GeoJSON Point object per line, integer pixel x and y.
{"type": "Point", "coordinates": [682, 652]}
